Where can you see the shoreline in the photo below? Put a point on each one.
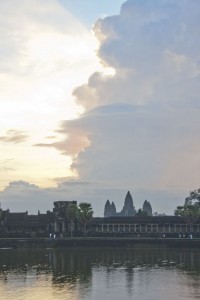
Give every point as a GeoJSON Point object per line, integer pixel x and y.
{"type": "Point", "coordinates": [98, 242]}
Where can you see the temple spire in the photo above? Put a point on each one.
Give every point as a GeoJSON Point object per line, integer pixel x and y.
{"type": "Point", "coordinates": [128, 208]}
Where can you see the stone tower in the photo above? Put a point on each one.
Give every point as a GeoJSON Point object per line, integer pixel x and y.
{"type": "Point", "coordinates": [109, 209]}
{"type": "Point", "coordinates": [113, 209]}
{"type": "Point", "coordinates": [128, 208]}
{"type": "Point", "coordinates": [147, 208]}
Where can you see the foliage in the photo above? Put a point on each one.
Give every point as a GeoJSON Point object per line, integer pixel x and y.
{"type": "Point", "coordinates": [85, 214]}
{"type": "Point", "coordinates": [190, 211]}
{"type": "Point", "coordinates": [72, 214]}
{"type": "Point", "coordinates": [193, 197]}
{"type": "Point", "coordinates": [72, 211]}
{"type": "Point", "coordinates": [1, 215]}
{"type": "Point", "coordinates": [141, 212]}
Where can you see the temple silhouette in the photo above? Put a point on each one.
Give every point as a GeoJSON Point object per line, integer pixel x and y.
{"type": "Point", "coordinates": [128, 209]}
{"type": "Point", "coordinates": [127, 222]}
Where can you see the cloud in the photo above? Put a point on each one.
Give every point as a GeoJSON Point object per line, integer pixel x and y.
{"type": "Point", "coordinates": [6, 169]}
{"type": "Point", "coordinates": [140, 126]}
{"type": "Point", "coordinates": [140, 146]}
{"type": "Point", "coordinates": [20, 196]}
{"type": "Point", "coordinates": [14, 136]}
{"type": "Point", "coordinates": [151, 47]}
{"type": "Point", "coordinates": [20, 185]}
{"type": "Point", "coordinates": [44, 52]}
{"type": "Point", "coordinates": [76, 140]}
{"type": "Point", "coordinates": [37, 32]}
{"type": "Point", "coordinates": [142, 121]}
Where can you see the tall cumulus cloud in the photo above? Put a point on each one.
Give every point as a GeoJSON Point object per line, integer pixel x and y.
{"type": "Point", "coordinates": [142, 122]}
{"type": "Point", "coordinates": [141, 125]}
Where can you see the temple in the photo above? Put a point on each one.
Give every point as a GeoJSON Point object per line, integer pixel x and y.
{"type": "Point", "coordinates": [128, 209]}
{"type": "Point", "coordinates": [147, 208]}
{"type": "Point", "coordinates": [127, 222]}
{"type": "Point", "coordinates": [23, 224]}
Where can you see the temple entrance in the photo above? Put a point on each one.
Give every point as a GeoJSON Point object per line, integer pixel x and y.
{"type": "Point", "coordinates": [60, 227]}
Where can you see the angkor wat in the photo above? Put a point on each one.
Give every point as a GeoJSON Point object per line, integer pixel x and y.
{"type": "Point", "coordinates": [128, 209]}
{"type": "Point", "coordinates": [128, 222]}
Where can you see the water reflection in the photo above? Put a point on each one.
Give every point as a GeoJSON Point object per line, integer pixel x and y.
{"type": "Point", "coordinates": [96, 273]}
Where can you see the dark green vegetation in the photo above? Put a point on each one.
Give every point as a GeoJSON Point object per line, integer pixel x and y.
{"type": "Point", "coordinates": [190, 211]}
{"type": "Point", "coordinates": [82, 213]}
{"type": "Point", "coordinates": [85, 214]}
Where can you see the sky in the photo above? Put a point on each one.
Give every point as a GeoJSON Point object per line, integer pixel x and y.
{"type": "Point", "coordinates": [97, 99]}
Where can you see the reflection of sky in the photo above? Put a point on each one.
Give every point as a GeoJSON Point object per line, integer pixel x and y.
{"type": "Point", "coordinates": [100, 274]}
{"type": "Point", "coordinates": [120, 283]}
{"type": "Point", "coordinates": [146, 284]}
{"type": "Point", "coordinates": [34, 287]}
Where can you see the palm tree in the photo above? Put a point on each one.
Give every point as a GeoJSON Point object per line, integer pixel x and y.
{"type": "Point", "coordinates": [72, 213]}
{"type": "Point", "coordinates": [85, 214]}
{"type": "Point", "coordinates": [2, 217]}
{"type": "Point", "coordinates": [1, 214]}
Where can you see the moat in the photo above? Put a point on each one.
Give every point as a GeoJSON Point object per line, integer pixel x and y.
{"type": "Point", "coordinates": [149, 272]}
{"type": "Point", "coordinates": [101, 242]}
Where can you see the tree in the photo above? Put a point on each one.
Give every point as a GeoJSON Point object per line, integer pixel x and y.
{"type": "Point", "coordinates": [85, 214]}
{"type": "Point", "coordinates": [141, 212]}
{"type": "Point", "coordinates": [72, 214]}
{"type": "Point", "coordinates": [190, 212]}
{"type": "Point", "coordinates": [1, 216]}
{"type": "Point", "coordinates": [194, 197]}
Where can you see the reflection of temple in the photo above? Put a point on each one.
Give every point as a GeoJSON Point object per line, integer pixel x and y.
{"type": "Point", "coordinates": [71, 265]}
{"type": "Point", "coordinates": [76, 273]}
{"type": "Point", "coordinates": [125, 223]}
{"type": "Point", "coordinates": [128, 208]}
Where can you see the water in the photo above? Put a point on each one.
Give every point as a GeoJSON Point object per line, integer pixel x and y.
{"type": "Point", "coordinates": [103, 273]}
